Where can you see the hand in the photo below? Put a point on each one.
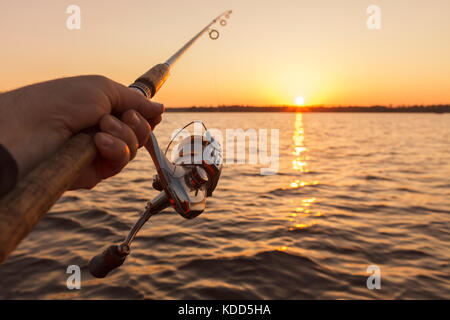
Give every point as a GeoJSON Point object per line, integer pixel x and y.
{"type": "Point", "coordinates": [36, 120]}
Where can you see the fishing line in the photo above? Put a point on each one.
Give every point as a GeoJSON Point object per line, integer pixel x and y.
{"type": "Point", "coordinates": [214, 35]}
{"type": "Point", "coordinates": [179, 131]}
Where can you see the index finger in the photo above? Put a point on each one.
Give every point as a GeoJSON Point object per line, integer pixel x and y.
{"type": "Point", "coordinates": [123, 98]}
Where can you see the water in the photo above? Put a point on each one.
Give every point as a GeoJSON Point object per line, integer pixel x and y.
{"type": "Point", "coordinates": [353, 190]}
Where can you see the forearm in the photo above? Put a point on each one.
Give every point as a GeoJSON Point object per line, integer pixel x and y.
{"type": "Point", "coordinates": [17, 135]}
{"type": "Point", "coordinates": [8, 164]}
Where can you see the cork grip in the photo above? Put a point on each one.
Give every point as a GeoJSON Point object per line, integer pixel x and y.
{"type": "Point", "coordinates": [153, 79]}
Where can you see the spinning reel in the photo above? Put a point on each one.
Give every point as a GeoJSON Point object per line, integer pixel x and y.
{"type": "Point", "coordinates": [184, 183]}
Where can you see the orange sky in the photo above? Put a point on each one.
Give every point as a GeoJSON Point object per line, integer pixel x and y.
{"type": "Point", "coordinates": [270, 52]}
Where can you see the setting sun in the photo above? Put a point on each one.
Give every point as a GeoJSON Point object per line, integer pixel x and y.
{"type": "Point", "coordinates": [299, 101]}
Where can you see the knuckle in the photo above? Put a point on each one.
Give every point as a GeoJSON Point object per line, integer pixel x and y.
{"type": "Point", "coordinates": [99, 79]}
{"type": "Point", "coordinates": [91, 184]}
{"type": "Point", "coordinates": [104, 122]}
{"type": "Point", "coordinates": [103, 83]}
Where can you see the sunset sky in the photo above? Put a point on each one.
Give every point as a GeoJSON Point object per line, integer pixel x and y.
{"type": "Point", "coordinates": [269, 53]}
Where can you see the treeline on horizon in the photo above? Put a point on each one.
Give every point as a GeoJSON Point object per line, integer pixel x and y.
{"type": "Point", "coordinates": [237, 108]}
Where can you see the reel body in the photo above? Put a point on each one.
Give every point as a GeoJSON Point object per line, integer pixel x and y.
{"type": "Point", "coordinates": [192, 176]}
{"type": "Point", "coordinates": [185, 183]}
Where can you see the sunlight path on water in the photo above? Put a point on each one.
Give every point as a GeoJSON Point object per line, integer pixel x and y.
{"type": "Point", "coordinates": [304, 216]}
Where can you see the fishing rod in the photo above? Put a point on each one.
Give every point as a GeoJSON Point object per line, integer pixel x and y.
{"type": "Point", "coordinates": [24, 206]}
{"type": "Point", "coordinates": [150, 82]}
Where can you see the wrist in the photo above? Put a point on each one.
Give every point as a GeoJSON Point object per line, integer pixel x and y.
{"type": "Point", "coordinates": [12, 133]}
{"type": "Point", "coordinates": [8, 171]}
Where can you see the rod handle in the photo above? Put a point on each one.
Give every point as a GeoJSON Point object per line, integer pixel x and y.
{"type": "Point", "coordinates": [24, 206]}
{"type": "Point", "coordinates": [150, 82]}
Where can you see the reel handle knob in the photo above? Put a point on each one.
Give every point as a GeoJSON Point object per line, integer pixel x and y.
{"type": "Point", "coordinates": [113, 257]}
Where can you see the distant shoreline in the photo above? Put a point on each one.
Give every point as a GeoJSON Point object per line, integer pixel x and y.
{"type": "Point", "coordinates": [373, 109]}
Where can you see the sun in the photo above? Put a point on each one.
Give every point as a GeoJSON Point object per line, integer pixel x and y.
{"type": "Point", "coordinates": [299, 101]}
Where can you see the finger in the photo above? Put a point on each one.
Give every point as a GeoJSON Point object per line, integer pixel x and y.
{"type": "Point", "coordinates": [155, 121]}
{"type": "Point", "coordinates": [149, 113]}
{"type": "Point", "coordinates": [118, 129]}
{"type": "Point", "coordinates": [138, 124]}
{"type": "Point", "coordinates": [114, 155]}
{"type": "Point", "coordinates": [123, 98]}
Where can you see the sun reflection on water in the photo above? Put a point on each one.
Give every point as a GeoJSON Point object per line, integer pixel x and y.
{"type": "Point", "coordinates": [305, 214]}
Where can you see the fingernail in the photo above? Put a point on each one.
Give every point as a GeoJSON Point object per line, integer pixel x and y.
{"type": "Point", "coordinates": [115, 125]}
{"type": "Point", "coordinates": [134, 118]}
{"type": "Point", "coordinates": [106, 140]}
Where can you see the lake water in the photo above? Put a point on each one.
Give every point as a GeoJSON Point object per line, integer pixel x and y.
{"type": "Point", "coordinates": [353, 190]}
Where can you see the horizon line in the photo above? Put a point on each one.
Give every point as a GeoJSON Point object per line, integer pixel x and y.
{"type": "Point", "coordinates": [390, 106]}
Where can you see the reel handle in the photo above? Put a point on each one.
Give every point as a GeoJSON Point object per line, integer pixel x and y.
{"type": "Point", "coordinates": [113, 257]}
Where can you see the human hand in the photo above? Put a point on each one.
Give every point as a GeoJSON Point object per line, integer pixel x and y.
{"type": "Point", "coordinates": [36, 120]}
